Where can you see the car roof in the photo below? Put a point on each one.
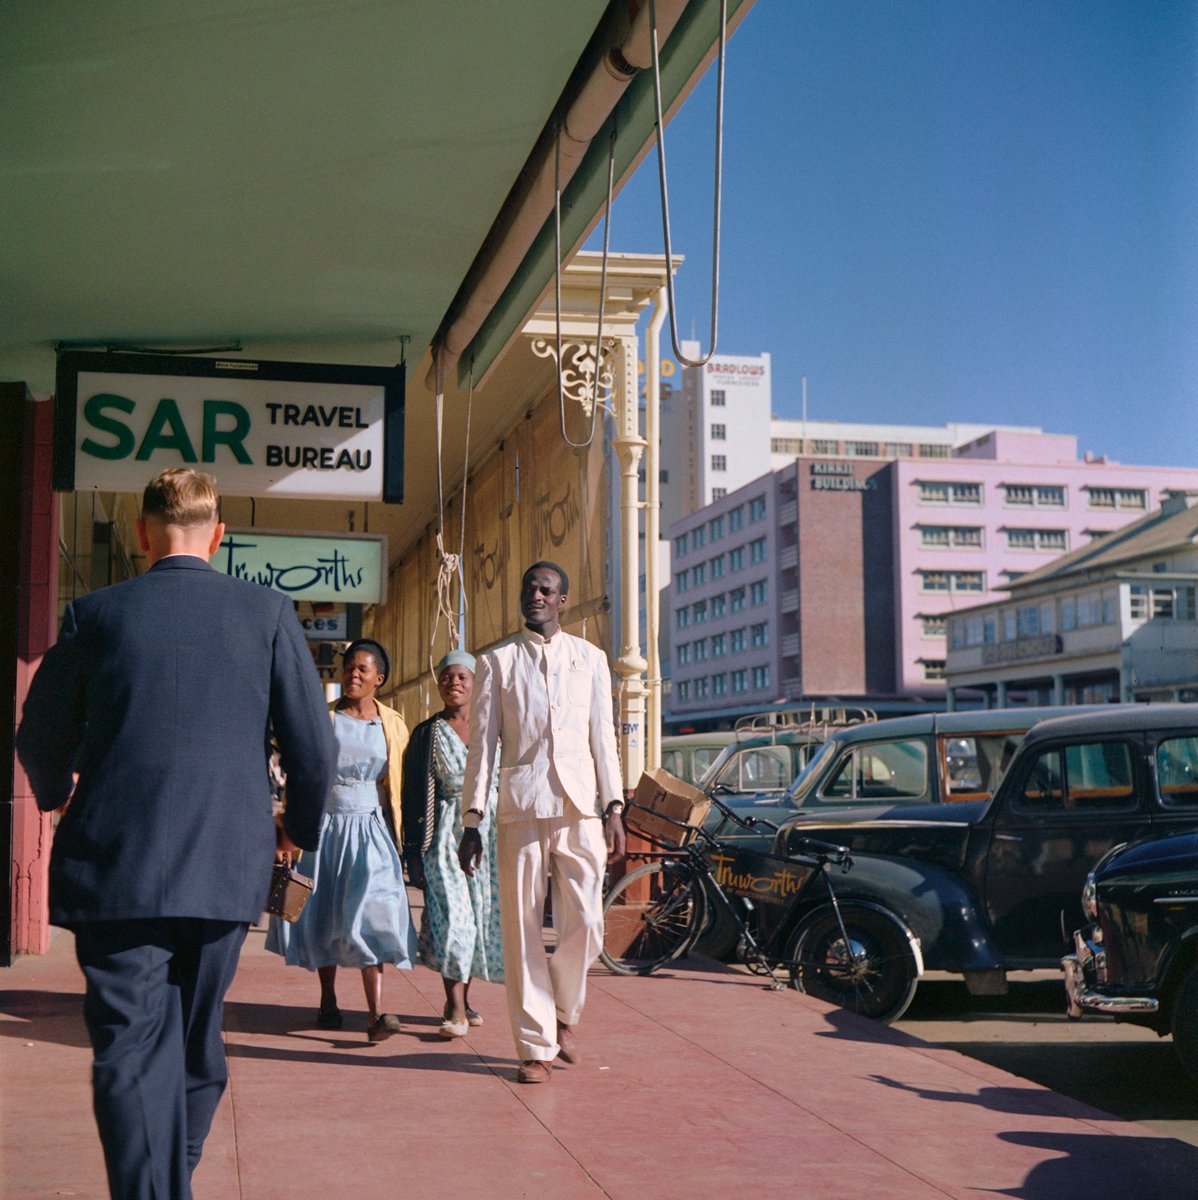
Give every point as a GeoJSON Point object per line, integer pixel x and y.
{"type": "Point", "coordinates": [979, 720]}
{"type": "Point", "coordinates": [717, 737]}
{"type": "Point", "coordinates": [1117, 718]}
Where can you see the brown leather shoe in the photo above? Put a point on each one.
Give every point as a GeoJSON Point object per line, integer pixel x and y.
{"type": "Point", "coordinates": [533, 1070]}
{"type": "Point", "coordinates": [568, 1047]}
{"type": "Point", "coordinates": [386, 1026]}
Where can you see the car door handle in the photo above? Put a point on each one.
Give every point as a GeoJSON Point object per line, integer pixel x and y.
{"type": "Point", "coordinates": [1008, 837]}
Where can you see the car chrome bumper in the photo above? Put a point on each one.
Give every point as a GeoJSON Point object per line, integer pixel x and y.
{"type": "Point", "coordinates": [1082, 996]}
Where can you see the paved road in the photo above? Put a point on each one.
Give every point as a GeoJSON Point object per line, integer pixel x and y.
{"type": "Point", "coordinates": [1119, 1068]}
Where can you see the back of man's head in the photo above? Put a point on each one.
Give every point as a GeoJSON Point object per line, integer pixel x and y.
{"type": "Point", "coordinates": [182, 497]}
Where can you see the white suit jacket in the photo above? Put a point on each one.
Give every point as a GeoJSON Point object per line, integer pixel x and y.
{"type": "Point", "coordinates": [541, 715]}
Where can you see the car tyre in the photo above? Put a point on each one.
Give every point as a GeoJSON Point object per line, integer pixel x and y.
{"type": "Point", "coordinates": [875, 975]}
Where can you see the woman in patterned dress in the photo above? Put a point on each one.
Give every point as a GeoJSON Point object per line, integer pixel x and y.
{"type": "Point", "coordinates": [459, 936]}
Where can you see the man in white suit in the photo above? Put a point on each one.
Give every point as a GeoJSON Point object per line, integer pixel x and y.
{"type": "Point", "coordinates": [542, 718]}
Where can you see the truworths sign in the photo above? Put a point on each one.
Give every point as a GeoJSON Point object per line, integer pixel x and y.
{"type": "Point", "coordinates": [310, 430]}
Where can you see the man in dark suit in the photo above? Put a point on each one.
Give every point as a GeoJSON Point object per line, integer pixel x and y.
{"type": "Point", "coordinates": [161, 696]}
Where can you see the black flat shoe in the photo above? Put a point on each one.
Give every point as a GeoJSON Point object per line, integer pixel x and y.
{"type": "Point", "coordinates": [329, 1018]}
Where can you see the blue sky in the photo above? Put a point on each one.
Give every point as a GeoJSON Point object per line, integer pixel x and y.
{"type": "Point", "coordinates": [952, 210]}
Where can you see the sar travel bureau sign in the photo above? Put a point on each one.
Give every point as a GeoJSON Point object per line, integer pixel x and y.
{"type": "Point", "coordinates": [305, 430]}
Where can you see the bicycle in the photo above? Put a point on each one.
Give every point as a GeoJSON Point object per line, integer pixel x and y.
{"type": "Point", "coordinates": [850, 953]}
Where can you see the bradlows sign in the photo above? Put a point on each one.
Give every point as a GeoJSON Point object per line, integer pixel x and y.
{"type": "Point", "coordinates": [307, 430]}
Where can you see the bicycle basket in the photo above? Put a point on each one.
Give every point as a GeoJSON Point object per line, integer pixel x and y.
{"type": "Point", "coordinates": [665, 809]}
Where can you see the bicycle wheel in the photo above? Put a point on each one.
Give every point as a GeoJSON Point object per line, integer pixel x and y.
{"type": "Point", "coordinates": [651, 917]}
{"type": "Point", "coordinates": [874, 974]}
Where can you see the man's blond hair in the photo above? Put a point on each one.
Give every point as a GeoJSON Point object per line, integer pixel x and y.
{"type": "Point", "coordinates": [182, 496]}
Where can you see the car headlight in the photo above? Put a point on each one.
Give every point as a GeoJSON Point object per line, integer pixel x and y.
{"type": "Point", "coordinates": [1090, 898]}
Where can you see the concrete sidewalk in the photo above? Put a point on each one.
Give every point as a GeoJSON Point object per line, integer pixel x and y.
{"type": "Point", "coordinates": [698, 1082]}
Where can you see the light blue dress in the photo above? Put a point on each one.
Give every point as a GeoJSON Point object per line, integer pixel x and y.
{"type": "Point", "coordinates": [459, 936]}
{"type": "Point", "coordinates": [357, 915]}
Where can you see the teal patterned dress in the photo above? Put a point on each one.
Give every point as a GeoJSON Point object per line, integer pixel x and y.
{"type": "Point", "coordinates": [459, 936]}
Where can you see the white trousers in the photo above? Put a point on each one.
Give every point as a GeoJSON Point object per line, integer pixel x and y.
{"type": "Point", "coordinates": [542, 988]}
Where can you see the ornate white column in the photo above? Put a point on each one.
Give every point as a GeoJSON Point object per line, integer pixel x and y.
{"type": "Point", "coordinates": [630, 666]}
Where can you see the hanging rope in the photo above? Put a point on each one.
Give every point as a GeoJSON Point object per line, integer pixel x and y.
{"type": "Point", "coordinates": [593, 386]}
{"type": "Point", "coordinates": [665, 200]}
{"type": "Point", "coordinates": [448, 565]}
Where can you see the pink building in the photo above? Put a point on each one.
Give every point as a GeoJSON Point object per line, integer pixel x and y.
{"type": "Point", "coordinates": [834, 577]}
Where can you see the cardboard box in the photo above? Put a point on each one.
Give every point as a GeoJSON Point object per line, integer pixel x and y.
{"type": "Point", "coordinates": [666, 808]}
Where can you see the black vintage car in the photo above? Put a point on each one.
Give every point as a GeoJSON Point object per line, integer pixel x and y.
{"type": "Point", "coordinates": [1138, 961]}
{"type": "Point", "coordinates": [992, 886]}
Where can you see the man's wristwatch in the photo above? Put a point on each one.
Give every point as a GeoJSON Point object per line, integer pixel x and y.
{"type": "Point", "coordinates": [616, 806]}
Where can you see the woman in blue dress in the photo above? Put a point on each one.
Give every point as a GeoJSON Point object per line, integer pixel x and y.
{"type": "Point", "coordinates": [459, 937]}
{"type": "Point", "coordinates": [357, 915]}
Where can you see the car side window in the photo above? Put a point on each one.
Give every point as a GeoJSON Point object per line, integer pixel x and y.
{"type": "Point", "coordinates": [704, 757]}
{"type": "Point", "coordinates": [1090, 776]}
{"type": "Point", "coordinates": [1177, 770]}
{"type": "Point", "coordinates": [671, 760]}
{"type": "Point", "coordinates": [880, 772]}
{"type": "Point", "coordinates": [760, 769]}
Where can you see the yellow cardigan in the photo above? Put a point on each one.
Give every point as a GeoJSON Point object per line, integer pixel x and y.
{"type": "Point", "coordinates": [395, 734]}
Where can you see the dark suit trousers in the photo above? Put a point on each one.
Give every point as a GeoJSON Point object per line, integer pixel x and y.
{"type": "Point", "coordinates": [154, 1004]}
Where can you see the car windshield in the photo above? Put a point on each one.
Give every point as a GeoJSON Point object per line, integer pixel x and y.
{"type": "Point", "coordinates": [812, 770]}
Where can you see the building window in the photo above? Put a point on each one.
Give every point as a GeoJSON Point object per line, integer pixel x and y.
{"type": "Point", "coordinates": [684, 690]}
{"type": "Point", "coordinates": [719, 605]}
{"type": "Point", "coordinates": [699, 612]}
{"type": "Point", "coordinates": [761, 678]}
{"type": "Point", "coordinates": [1034, 495]}
{"type": "Point", "coordinates": [935, 450]}
{"type": "Point", "coordinates": [740, 680]}
{"type": "Point", "coordinates": [719, 684]}
{"type": "Point", "coordinates": [680, 543]}
{"type": "Point", "coordinates": [701, 688]}
{"type": "Point", "coordinates": [952, 581]}
{"type": "Point", "coordinates": [1052, 541]}
{"type": "Point", "coordinates": [718, 399]}
{"type": "Point", "coordinates": [718, 494]}
{"type": "Point", "coordinates": [786, 445]}
{"type": "Point", "coordinates": [683, 653]}
{"type": "Point", "coordinates": [719, 462]}
{"type": "Point", "coordinates": [759, 635]}
{"type": "Point", "coordinates": [719, 433]}
{"type": "Point", "coordinates": [757, 550]}
{"type": "Point", "coordinates": [932, 626]}
{"type": "Point", "coordinates": [682, 581]}
{"type": "Point", "coordinates": [861, 449]}
{"type": "Point", "coordinates": [756, 509]}
{"type": "Point", "coordinates": [737, 597]}
{"type": "Point", "coordinates": [1117, 498]}
{"type": "Point", "coordinates": [663, 476]}
{"type": "Point", "coordinates": [719, 645]}
{"type": "Point", "coordinates": [736, 559]}
{"type": "Point", "coordinates": [716, 526]}
{"type": "Point", "coordinates": [1027, 620]}
{"type": "Point", "coordinates": [682, 618]}
{"type": "Point", "coordinates": [1161, 603]}
{"type": "Point", "coordinates": [945, 536]}
{"type": "Point", "coordinates": [717, 567]}
{"type": "Point", "coordinates": [898, 450]}
{"type": "Point", "coordinates": [758, 593]}
{"type": "Point", "coordinates": [738, 641]}
{"type": "Point", "coordinates": [936, 491]}
{"type": "Point", "coordinates": [698, 537]}
{"type": "Point", "coordinates": [700, 650]}
{"type": "Point", "coordinates": [736, 518]}
{"type": "Point", "coordinates": [933, 670]}
{"type": "Point", "coordinates": [699, 574]}
{"type": "Point", "coordinates": [824, 446]}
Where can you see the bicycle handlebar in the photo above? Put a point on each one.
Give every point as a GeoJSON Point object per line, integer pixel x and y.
{"type": "Point", "coordinates": [827, 851]}
{"type": "Point", "coordinates": [743, 822]}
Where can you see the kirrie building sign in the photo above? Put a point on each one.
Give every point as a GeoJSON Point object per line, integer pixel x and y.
{"type": "Point", "coordinates": [309, 430]}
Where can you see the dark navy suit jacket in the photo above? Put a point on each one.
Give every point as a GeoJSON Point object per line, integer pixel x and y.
{"type": "Point", "coordinates": [163, 693]}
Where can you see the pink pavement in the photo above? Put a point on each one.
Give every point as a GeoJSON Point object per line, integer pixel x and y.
{"type": "Point", "coordinates": [697, 1082]}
